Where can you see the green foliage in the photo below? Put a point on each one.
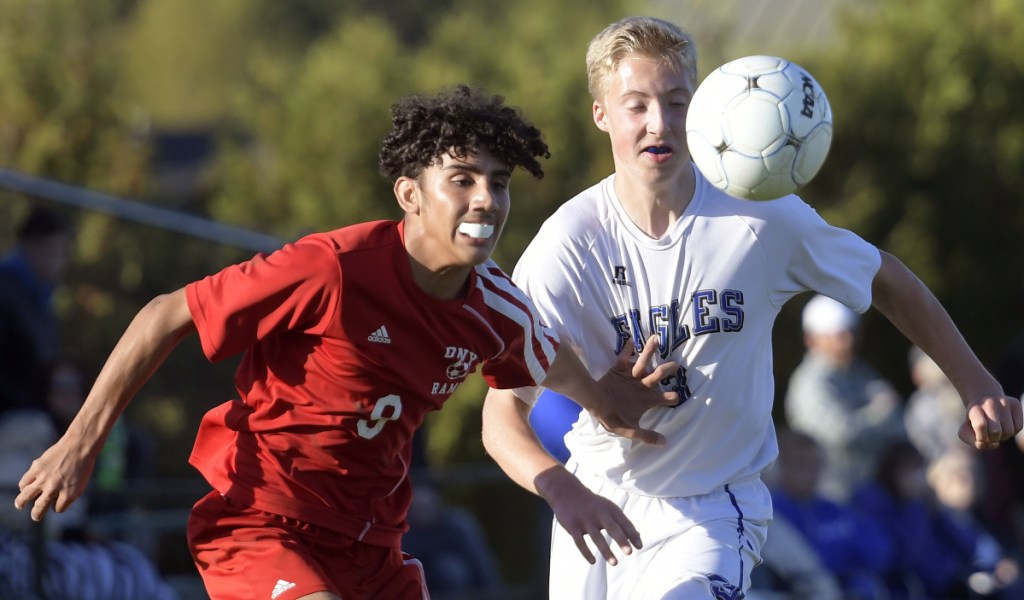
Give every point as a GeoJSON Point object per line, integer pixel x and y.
{"type": "Point", "coordinates": [301, 153]}
{"type": "Point", "coordinates": [66, 116]}
{"type": "Point", "coordinates": [59, 100]}
{"type": "Point", "coordinates": [181, 57]}
{"type": "Point", "coordinates": [63, 118]}
{"type": "Point", "coordinates": [927, 153]}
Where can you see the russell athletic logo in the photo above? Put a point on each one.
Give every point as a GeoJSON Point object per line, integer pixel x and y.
{"type": "Point", "coordinates": [619, 278]}
{"type": "Point", "coordinates": [380, 336]}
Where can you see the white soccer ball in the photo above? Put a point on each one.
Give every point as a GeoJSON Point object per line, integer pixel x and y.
{"type": "Point", "coordinates": [759, 127]}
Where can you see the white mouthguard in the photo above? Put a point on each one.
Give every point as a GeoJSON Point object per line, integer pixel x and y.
{"type": "Point", "coordinates": [476, 230]}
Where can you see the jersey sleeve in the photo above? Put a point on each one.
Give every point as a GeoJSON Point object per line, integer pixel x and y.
{"type": "Point", "coordinates": [807, 253]}
{"type": "Point", "coordinates": [529, 345]}
{"type": "Point", "coordinates": [295, 288]}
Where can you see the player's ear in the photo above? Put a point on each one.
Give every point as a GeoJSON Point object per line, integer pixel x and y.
{"type": "Point", "coordinates": [600, 117]}
{"type": "Point", "coordinates": [407, 193]}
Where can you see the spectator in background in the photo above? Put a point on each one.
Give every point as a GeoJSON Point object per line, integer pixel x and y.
{"type": "Point", "coordinates": [26, 433]}
{"type": "Point", "coordinates": [934, 410]}
{"type": "Point", "coordinates": [937, 553]}
{"type": "Point", "coordinates": [449, 542]}
{"type": "Point", "coordinates": [1005, 468]}
{"type": "Point", "coordinates": [81, 560]}
{"type": "Point", "coordinates": [837, 398]}
{"type": "Point", "coordinates": [791, 569]}
{"type": "Point", "coordinates": [29, 332]}
{"type": "Point", "coordinates": [957, 480]}
{"type": "Point", "coordinates": [852, 546]}
{"type": "Point", "coordinates": [125, 456]}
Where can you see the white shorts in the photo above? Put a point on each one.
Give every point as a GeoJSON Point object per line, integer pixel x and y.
{"type": "Point", "coordinates": [694, 548]}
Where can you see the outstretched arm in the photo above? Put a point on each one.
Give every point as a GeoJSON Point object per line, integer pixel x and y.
{"type": "Point", "coordinates": [992, 417]}
{"type": "Point", "coordinates": [630, 388]}
{"type": "Point", "coordinates": [59, 476]}
{"type": "Point", "coordinates": [509, 439]}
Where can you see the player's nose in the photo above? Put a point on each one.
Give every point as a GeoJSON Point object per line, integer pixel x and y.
{"type": "Point", "coordinates": [657, 122]}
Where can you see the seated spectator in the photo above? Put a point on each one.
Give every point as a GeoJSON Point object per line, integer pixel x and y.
{"type": "Point", "coordinates": [936, 553]}
{"type": "Point", "coordinates": [29, 328]}
{"type": "Point", "coordinates": [852, 546]}
{"type": "Point", "coordinates": [837, 397]}
{"type": "Point", "coordinates": [77, 560]}
{"type": "Point", "coordinates": [126, 456]}
{"type": "Point", "coordinates": [934, 410]}
{"type": "Point", "coordinates": [956, 480]}
{"type": "Point", "coordinates": [449, 543]}
{"type": "Point", "coordinates": [791, 569]}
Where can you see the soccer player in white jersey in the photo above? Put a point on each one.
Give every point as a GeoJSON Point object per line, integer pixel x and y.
{"type": "Point", "coordinates": [655, 249]}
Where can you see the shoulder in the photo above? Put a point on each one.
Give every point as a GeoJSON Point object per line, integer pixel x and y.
{"type": "Point", "coordinates": [499, 294]}
{"type": "Point", "coordinates": [340, 247]}
{"type": "Point", "coordinates": [789, 213]}
{"type": "Point", "coordinates": [361, 236]}
{"type": "Point", "coordinates": [574, 225]}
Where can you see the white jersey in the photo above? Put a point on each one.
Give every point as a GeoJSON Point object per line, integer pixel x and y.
{"type": "Point", "coordinates": [711, 289]}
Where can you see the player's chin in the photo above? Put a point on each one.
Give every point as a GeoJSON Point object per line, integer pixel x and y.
{"type": "Point", "coordinates": [476, 252]}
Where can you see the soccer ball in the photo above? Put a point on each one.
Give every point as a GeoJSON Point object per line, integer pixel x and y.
{"type": "Point", "coordinates": [759, 127]}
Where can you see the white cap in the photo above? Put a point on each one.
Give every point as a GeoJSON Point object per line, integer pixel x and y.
{"type": "Point", "coordinates": [823, 315]}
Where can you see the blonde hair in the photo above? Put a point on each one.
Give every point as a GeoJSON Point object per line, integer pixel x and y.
{"type": "Point", "coordinates": [646, 36]}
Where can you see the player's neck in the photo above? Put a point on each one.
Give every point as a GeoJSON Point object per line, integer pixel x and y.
{"type": "Point", "coordinates": [443, 283]}
{"type": "Point", "coordinates": [654, 206]}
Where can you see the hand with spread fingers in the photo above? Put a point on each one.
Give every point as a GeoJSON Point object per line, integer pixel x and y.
{"type": "Point", "coordinates": [55, 479]}
{"type": "Point", "coordinates": [632, 387]}
{"type": "Point", "coordinates": [585, 514]}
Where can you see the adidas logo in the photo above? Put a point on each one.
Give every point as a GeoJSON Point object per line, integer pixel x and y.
{"type": "Point", "coordinates": [281, 587]}
{"type": "Point", "coordinates": [380, 336]}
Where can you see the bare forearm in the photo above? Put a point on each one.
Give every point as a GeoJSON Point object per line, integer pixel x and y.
{"type": "Point", "coordinates": [143, 347]}
{"type": "Point", "coordinates": [917, 313]}
{"type": "Point", "coordinates": [569, 377]}
{"type": "Point", "coordinates": [510, 441]}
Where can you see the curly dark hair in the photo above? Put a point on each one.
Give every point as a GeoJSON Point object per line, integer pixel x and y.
{"type": "Point", "coordinates": [461, 120]}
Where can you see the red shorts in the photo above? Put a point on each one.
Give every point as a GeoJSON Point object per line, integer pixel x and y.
{"type": "Point", "coordinates": [246, 554]}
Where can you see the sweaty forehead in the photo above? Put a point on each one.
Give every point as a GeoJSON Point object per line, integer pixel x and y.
{"type": "Point", "coordinates": [477, 161]}
{"type": "Point", "coordinates": [641, 75]}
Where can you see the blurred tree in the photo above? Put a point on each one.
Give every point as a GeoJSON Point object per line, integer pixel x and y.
{"type": "Point", "coordinates": [63, 114]}
{"type": "Point", "coordinates": [66, 116]}
{"type": "Point", "coordinates": [301, 152]}
{"type": "Point", "coordinates": [186, 60]}
{"type": "Point", "coordinates": [182, 58]}
{"type": "Point", "coordinates": [929, 140]}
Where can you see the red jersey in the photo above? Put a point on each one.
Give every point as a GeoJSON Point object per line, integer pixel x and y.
{"type": "Point", "coordinates": [344, 356]}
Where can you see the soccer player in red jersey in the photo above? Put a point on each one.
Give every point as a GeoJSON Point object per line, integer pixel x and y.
{"type": "Point", "coordinates": [350, 337]}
